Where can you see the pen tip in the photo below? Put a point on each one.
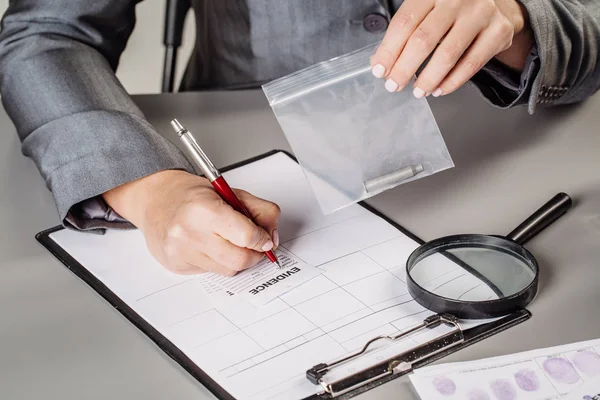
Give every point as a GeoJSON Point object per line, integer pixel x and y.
{"type": "Point", "coordinates": [278, 264]}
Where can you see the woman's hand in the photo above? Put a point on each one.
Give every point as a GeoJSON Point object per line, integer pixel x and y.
{"type": "Point", "coordinates": [463, 36]}
{"type": "Point", "coordinates": [189, 229]}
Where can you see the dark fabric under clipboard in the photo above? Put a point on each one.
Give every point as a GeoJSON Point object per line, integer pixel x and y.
{"type": "Point", "coordinates": [122, 298]}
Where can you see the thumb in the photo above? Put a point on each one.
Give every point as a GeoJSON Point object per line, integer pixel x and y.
{"type": "Point", "coordinates": [240, 230]}
{"type": "Point", "coordinates": [257, 239]}
{"type": "Point", "coordinates": [264, 213]}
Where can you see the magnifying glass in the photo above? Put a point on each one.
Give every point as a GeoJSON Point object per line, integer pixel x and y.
{"type": "Point", "coordinates": [473, 276]}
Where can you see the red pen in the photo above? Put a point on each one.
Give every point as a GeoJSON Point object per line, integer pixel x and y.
{"type": "Point", "coordinates": [213, 175]}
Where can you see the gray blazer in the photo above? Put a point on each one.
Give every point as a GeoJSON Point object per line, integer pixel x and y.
{"type": "Point", "coordinates": [86, 136]}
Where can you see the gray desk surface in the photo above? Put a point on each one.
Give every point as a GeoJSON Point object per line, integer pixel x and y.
{"type": "Point", "coordinates": [60, 340]}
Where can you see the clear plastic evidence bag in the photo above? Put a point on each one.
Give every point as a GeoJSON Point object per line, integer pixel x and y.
{"type": "Point", "coordinates": [353, 138]}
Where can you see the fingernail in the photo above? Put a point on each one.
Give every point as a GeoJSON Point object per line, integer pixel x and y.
{"type": "Point", "coordinates": [418, 93]}
{"type": "Point", "coordinates": [267, 246]}
{"type": "Point", "coordinates": [378, 71]}
{"type": "Point", "coordinates": [437, 92]}
{"type": "Point", "coordinates": [391, 86]}
{"type": "Point", "coordinates": [276, 237]}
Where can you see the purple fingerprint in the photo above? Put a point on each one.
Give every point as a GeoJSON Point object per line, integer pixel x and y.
{"type": "Point", "coordinates": [444, 385]}
{"type": "Point", "coordinates": [561, 370]}
{"type": "Point", "coordinates": [503, 390]}
{"type": "Point", "coordinates": [587, 362]}
{"type": "Point", "coordinates": [477, 394]}
{"type": "Point", "coordinates": [527, 380]}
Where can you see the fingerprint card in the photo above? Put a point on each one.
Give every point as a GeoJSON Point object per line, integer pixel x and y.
{"type": "Point", "coordinates": [523, 380]}
{"type": "Point", "coordinates": [544, 374]}
{"type": "Point", "coordinates": [590, 390]}
{"type": "Point", "coordinates": [569, 370]}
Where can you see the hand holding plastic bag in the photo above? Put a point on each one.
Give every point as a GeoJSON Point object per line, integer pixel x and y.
{"type": "Point", "coordinates": [353, 138]}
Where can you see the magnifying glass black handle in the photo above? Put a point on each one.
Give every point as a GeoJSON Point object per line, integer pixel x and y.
{"type": "Point", "coordinates": [544, 216]}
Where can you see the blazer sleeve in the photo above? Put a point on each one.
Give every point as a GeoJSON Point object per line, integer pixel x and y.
{"type": "Point", "coordinates": [74, 119]}
{"type": "Point", "coordinates": [563, 66]}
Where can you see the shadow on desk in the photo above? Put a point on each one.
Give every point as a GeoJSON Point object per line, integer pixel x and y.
{"type": "Point", "coordinates": [476, 132]}
{"type": "Point", "coordinates": [481, 139]}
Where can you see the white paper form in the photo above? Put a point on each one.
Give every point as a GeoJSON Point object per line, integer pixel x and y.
{"type": "Point", "coordinates": [263, 352]}
{"type": "Point", "coordinates": [549, 373]}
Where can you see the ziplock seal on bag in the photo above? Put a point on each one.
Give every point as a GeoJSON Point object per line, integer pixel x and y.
{"type": "Point", "coordinates": [352, 138]}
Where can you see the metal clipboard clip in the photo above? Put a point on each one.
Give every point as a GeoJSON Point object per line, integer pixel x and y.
{"type": "Point", "coordinates": [399, 364]}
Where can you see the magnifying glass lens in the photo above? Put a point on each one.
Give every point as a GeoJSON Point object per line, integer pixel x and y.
{"type": "Point", "coordinates": [481, 276]}
{"type": "Point", "coordinates": [472, 273]}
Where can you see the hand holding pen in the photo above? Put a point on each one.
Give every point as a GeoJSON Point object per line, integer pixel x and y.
{"type": "Point", "coordinates": [217, 180]}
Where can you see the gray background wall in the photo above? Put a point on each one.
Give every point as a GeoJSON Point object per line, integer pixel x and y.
{"type": "Point", "coordinates": [140, 70]}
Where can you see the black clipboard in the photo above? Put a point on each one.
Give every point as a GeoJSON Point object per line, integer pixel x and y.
{"type": "Point", "coordinates": [471, 336]}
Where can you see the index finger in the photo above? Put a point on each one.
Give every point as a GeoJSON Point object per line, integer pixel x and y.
{"type": "Point", "coordinates": [407, 18]}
